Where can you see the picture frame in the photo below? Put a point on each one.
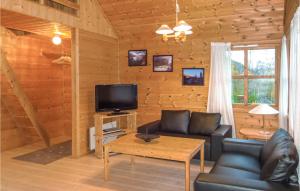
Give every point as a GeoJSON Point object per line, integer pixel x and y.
{"type": "Point", "coordinates": [137, 57]}
{"type": "Point", "coordinates": [193, 76]}
{"type": "Point", "coordinates": [162, 63]}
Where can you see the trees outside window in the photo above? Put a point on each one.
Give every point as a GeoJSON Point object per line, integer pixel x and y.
{"type": "Point", "coordinates": [253, 76]}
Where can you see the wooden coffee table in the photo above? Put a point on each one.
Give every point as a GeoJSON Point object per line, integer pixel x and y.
{"type": "Point", "coordinates": [165, 147]}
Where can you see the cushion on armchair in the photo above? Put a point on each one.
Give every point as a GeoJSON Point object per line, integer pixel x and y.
{"type": "Point", "coordinates": [175, 121]}
{"type": "Point", "coordinates": [204, 123]}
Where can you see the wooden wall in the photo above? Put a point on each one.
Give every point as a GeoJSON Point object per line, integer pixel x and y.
{"type": "Point", "coordinates": [239, 22]}
{"type": "Point", "coordinates": [290, 9]}
{"type": "Point", "coordinates": [47, 85]}
{"type": "Point", "coordinates": [97, 63]}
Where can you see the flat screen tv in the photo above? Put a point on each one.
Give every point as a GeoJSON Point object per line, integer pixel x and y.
{"type": "Point", "coordinates": [116, 97]}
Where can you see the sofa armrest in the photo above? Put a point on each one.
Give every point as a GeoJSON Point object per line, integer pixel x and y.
{"type": "Point", "coordinates": [152, 127]}
{"type": "Point", "coordinates": [249, 147]}
{"type": "Point", "coordinates": [217, 139]}
{"type": "Point", "coordinates": [215, 182]}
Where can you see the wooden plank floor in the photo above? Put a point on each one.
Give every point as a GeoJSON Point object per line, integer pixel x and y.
{"type": "Point", "coordinates": [86, 174]}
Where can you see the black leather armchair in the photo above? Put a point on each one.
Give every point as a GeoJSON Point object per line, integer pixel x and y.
{"type": "Point", "coordinates": [240, 168]}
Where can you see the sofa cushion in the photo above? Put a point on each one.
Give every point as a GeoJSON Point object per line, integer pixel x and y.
{"type": "Point", "coordinates": [204, 123]}
{"type": "Point", "coordinates": [240, 161]}
{"type": "Point", "coordinates": [282, 162]}
{"type": "Point", "coordinates": [279, 136]}
{"type": "Point", "coordinates": [234, 172]}
{"type": "Point", "coordinates": [175, 121]}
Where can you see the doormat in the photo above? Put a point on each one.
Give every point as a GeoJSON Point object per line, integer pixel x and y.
{"type": "Point", "coordinates": [48, 155]}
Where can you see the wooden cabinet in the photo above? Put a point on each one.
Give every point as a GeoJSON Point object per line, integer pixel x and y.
{"type": "Point", "coordinates": [129, 125]}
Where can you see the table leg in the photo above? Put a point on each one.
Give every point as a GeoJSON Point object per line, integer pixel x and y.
{"type": "Point", "coordinates": [187, 175]}
{"type": "Point", "coordinates": [106, 163]}
{"type": "Point", "coordinates": [202, 159]}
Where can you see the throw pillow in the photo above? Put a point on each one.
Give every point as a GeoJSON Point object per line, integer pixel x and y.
{"type": "Point", "coordinates": [175, 121]}
{"type": "Point", "coordinates": [204, 123]}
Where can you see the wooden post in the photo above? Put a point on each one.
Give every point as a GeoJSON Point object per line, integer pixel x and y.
{"type": "Point", "coordinates": [23, 99]}
{"type": "Point", "coordinates": [98, 136]}
{"type": "Point", "coordinates": [76, 136]}
{"type": "Point", "coordinates": [106, 162]}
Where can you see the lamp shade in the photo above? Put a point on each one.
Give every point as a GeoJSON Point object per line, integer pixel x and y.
{"type": "Point", "coordinates": [263, 109]}
{"type": "Point", "coordinates": [164, 29]}
{"type": "Point", "coordinates": [182, 26]}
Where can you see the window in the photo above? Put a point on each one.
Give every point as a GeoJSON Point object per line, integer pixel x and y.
{"type": "Point", "coordinates": [253, 76]}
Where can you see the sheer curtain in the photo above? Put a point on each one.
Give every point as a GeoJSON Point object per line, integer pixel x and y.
{"type": "Point", "coordinates": [284, 87]}
{"type": "Point", "coordinates": [294, 95]}
{"type": "Point", "coordinates": [219, 94]}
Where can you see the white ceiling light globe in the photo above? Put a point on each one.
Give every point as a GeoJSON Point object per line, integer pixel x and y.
{"type": "Point", "coordinates": [56, 40]}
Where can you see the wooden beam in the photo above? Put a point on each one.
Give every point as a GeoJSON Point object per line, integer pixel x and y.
{"type": "Point", "coordinates": [23, 99]}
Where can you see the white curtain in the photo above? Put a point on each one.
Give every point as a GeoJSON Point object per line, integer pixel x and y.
{"type": "Point", "coordinates": [284, 87]}
{"type": "Point", "coordinates": [219, 94]}
{"type": "Point", "coordinates": [294, 94]}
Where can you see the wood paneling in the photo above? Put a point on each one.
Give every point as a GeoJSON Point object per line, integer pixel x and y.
{"type": "Point", "coordinates": [236, 21]}
{"type": "Point", "coordinates": [290, 9]}
{"type": "Point", "coordinates": [34, 25]}
{"type": "Point", "coordinates": [47, 85]}
{"type": "Point", "coordinates": [91, 18]}
{"type": "Point", "coordinates": [97, 63]}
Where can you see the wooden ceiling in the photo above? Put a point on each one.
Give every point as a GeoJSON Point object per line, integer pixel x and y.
{"type": "Point", "coordinates": [237, 20]}
{"type": "Point", "coordinates": [34, 25]}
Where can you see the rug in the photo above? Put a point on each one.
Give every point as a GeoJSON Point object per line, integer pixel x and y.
{"type": "Point", "coordinates": [48, 155]}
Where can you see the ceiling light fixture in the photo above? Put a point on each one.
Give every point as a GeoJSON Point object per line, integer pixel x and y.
{"type": "Point", "coordinates": [179, 32]}
{"type": "Point", "coordinates": [56, 40]}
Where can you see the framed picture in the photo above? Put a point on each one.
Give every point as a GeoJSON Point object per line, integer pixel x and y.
{"type": "Point", "coordinates": [193, 76]}
{"type": "Point", "coordinates": [137, 58]}
{"type": "Point", "coordinates": [162, 63]}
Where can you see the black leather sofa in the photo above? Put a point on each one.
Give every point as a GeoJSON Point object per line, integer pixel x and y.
{"type": "Point", "coordinates": [248, 165]}
{"type": "Point", "coordinates": [182, 123]}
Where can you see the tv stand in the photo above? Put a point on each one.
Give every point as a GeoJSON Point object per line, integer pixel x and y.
{"type": "Point", "coordinates": [118, 113]}
{"type": "Point", "coordinates": [129, 125]}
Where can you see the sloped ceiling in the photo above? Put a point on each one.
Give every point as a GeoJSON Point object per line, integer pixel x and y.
{"type": "Point", "coordinates": [239, 20]}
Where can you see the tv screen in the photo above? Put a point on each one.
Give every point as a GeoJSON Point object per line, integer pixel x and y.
{"type": "Point", "coordinates": [116, 97]}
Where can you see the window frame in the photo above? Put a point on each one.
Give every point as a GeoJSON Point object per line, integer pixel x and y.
{"type": "Point", "coordinates": [246, 76]}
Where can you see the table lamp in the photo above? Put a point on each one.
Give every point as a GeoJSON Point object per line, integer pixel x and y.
{"type": "Point", "coordinates": [263, 109]}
